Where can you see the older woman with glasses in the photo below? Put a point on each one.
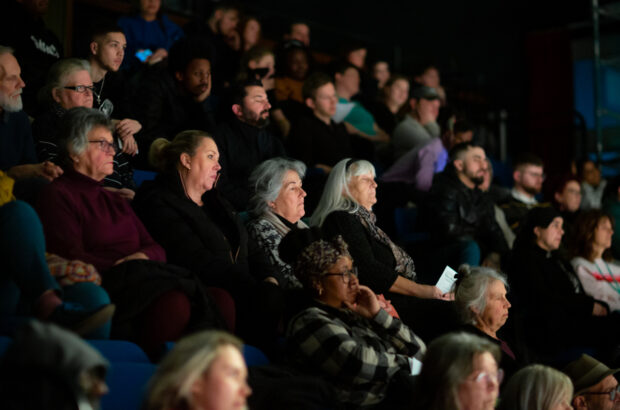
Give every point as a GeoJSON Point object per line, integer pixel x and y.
{"type": "Point", "coordinates": [83, 221]}
{"type": "Point", "coordinates": [480, 297]}
{"type": "Point", "coordinates": [345, 336]}
{"type": "Point", "coordinates": [459, 371]}
{"type": "Point", "coordinates": [69, 85]}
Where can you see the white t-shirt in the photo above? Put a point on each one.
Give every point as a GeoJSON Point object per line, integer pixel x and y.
{"type": "Point", "coordinates": [600, 280]}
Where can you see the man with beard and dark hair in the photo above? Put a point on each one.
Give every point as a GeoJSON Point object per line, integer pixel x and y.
{"type": "Point", "coordinates": [244, 142]}
{"type": "Point", "coordinates": [461, 217]}
{"type": "Point", "coordinates": [528, 177]}
{"type": "Point", "coordinates": [168, 102]}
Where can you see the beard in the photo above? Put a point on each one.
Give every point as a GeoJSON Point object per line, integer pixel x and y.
{"type": "Point", "coordinates": [257, 121]}
{"type": "Point", "coordinates": [10, 104]}
{"type": "Point", "coordinates": [477, 180]}
{"type": "Point", "coordinates": [532, 190]}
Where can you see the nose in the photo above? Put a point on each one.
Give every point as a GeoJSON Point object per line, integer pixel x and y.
{"type": "Point", "coordinates": [267, 105]}
{"type": "Point", "coordinates": [217, 166]}
{"type": "Point", "coordinates": [20, 83]}
{"type": "Point", "coordinates": [246, 390]}
{"type": "Point", "coordinates": [303, 193]}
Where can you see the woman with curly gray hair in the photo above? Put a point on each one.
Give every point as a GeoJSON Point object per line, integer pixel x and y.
{"type": "Point", "coordinates": [277, 206]}
{"type": "Point", "coordinates": [480, 297]}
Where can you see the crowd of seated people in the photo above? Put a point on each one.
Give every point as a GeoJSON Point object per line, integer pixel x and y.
{"type": "Point", "coordinates": [271, 215]}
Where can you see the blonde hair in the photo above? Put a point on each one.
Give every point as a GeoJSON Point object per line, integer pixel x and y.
{"type": "Point", "coordinates": [170, 387]}
{"type": "Point", "coordinates": [164, 155]}
{"type": "Point", "coordinates": [536, 387]}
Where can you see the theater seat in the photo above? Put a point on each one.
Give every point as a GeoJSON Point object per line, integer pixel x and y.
{"type": "Point", "coordinates": [120, 351]}
{"type": "Point", "coordinates": [127, 383]}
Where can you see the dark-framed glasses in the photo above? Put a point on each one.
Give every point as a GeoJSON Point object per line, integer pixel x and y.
{"type": "Point", "coordinates": [345, 276]}
{"type": "Point", "coordinates": [80, 88]}
{"type": "Point", "coordinates": [612, 394]}
{"type": "Point", "coordinates": [105, 146]}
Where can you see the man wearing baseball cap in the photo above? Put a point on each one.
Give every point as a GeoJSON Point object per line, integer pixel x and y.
{"type": "Point", "coordinates": [596, 388]}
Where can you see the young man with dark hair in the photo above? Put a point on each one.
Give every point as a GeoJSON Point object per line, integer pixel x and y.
{"type": "Point", "coordinates": [299, 31]}
{"type": "Point", "coordinates": [244, 142]}
{"type": "Point", "coordinates": [172, 101]}
{"type": "Point", "coordinates": [528, 175]}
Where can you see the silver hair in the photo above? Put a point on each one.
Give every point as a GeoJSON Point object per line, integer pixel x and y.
{"type": "Point", "coordinates": [58, 74]}
{"type": "Point", "coordinates": [190, 358]}
{"type": "Point", "coordinates": [336, 195]}
{"type": "Point", "coordinates": [536, 387]}
{"type": "Point", "coordinates": [75, 126]}
{"type": "Point", "coordinates": [266, 181]}
{"type": "Point", "coordinates": [471, 291]}
{"type": "Point", "coordinates": [447, 363]}
{"type": "Point", "coordinates": [6, 50]}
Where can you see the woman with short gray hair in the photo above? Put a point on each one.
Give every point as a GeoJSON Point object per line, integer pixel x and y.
{"type": "Point", "coordinates": [480, 297]}
{"type": "Point", "coordinates": [537, 387]}
{"type": "Point", "coordinates": [277, 206]}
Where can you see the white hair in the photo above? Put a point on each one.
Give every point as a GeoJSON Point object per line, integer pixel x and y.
{"type": "Point", "coordinates": [336, 195]}
{"type": "Point", "coordinates": [266, 181]}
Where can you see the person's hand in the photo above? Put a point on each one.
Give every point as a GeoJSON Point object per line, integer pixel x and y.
{"type": "Point", "coordinates": [123, 192]}
{"type": "Point", "coordinates": [130, 146]}
{"type": "Point", "coordinates": [127, 128]}
{"type": "Point", "coordinates": [366, 303]}
{"type": "Point", "coordinates": [49, 170]}
{"type": "Point", "coordinates": [433, 292]}
{"type": "Point", "coordinates": [599, 309]}
{"type": "Point", "coordinates": [271, 279]}
{"type": "Point", "coordinates": [386, 304]}
{"type": "Point", "coordinates": [203, 95]}
{"type": "Point", "coordinates": [157, 56]}
{"type": "Point", "coordinates": [133, 256]}
{"type": "Point", "coordinates": [325, 168]}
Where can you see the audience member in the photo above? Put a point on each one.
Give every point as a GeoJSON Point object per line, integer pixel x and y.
{"type": "Point", "coordinates": [420, 125]}
{"type": "Point", "coordinates": [259, 62]}
{"type": "Point", "coordinates": [496, 192]}
{"type": "Point", "coordinates": [48, 368]}
{"type": "Point", "coordinates": [346, 325]}
{"type": "Point", "coordinates": [244, 142]}
{"type": "Point", "coordinates": [429, 77]}
{"type": "Point", "coordinates": [17, 153]}
{"type": "Point", "coordinates": [459, 371]}
{"type": "Point", "coordinates": [203, 371]}
{"type": "Point", "coordinates": [592, 260]}
{"type": "Point", "coordinates": [22, 28]}
{"type": "Point", "coordinates": [150, 34]}
{"type": "Point", "coordinates": [357, 119]}
{"type": "Point", "coordinates": [86, 222]}
{"type": "Point", "coordinates": [276, 207]}
{"type": "Point", "coordinates": [250, 33]}
{"type": "Point", "coordinates": [381, 73]}
{"type": "Point", "coordinates": [528, 176]}
{"type": "Point", "coordinates": [566, 197]}
{"type": "Point", "coordinates": [480, 297]}
{"type": "Point", "coordinates": [611, 205]}
{"type": "Point", "coordinates": [345, 209]}
{"type": "Point", "coordinates": [299, 31]}
{"type": "Point", "coordinates": [556, 311]}
{"type": "Point", "coordinates": [293, 70]}
{"type": "Point", "coordinates": [391, 99]}
{"type": "Point", "coordinates": [69, 85]}
{"type": "Point", "coordinates": [592, 185]}
{"type": "Point", "coordinates": [220, 31]}
{"type": "Point", "coordinates": [355, 54]}
{"type": "Point", "coordinates": [201, 232]}
{"type": "Point", "coordinates": [596, 387]}
{"type": "Point", "coordinates": [461, 217]}
{"type": "Point", "coordinates": [316, 139]}
{"type": "Point", "coordinates": [172, 101]}
{"type": "Point", "coordinates": [537, 387]}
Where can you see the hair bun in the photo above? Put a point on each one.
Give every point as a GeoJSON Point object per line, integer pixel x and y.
{"type": "Point", "coordinates": [463, 272]}
{"type": "Point", "coordinates": [296, 241]}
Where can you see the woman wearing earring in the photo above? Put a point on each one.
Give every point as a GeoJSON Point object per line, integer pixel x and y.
{"type": "Point", "coordinates": [200, 231]}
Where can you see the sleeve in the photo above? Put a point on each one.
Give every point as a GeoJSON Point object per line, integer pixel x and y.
{"type": "Point", "coordinates": [400, 335]}
{"type": "Point", "coordinates": [261, 238]}
{"type": "Point", "coordinates": [328, 345]}
{"type": "Point", "coordinates": [427, 156]}
{"type": "Point", "coordinates": [374, 273]}
{"type": "Point", "coordinates": [446, 218]}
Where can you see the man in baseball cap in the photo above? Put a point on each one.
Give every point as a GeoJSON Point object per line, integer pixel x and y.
{"type": "Point", "coordinates": [596, 388]}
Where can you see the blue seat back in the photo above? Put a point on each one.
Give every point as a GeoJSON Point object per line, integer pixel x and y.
{"type": "Point", "coordinates": [127, 383]}
{"type": "Point", "coordinates": [120, 351]}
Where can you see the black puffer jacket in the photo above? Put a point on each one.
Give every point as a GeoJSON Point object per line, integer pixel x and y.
{"type": "Point", "coordinates": [456, 212]}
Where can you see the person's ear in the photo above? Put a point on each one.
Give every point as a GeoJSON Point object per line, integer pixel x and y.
{"type": "Point", "coordinates": [413, 103]}
{"type": "Point", "coordinates": [237, 110]}
{"type": "Point", "coordinates": [579, 402]}
{"type": "Point", "coordinates": [178, 75]}
{"type": "Point", "coordinates": [516, 175]}
{"type": "Point", "coordinates": [186, 161]}
{"type": "Point", "coordinates": [458, 164]}
{"type": "Point", "coordinates": [557, 197]}
{"type": "Point", "coordinates": [94, 48]}
{"type": "Point", "coordinates": [252, 64]}
{"type": "Point", "coordinates": [537, 231]}
{"type": "Point", "coordinates": [56, 94]}
{"type": "Point", "coordinates": [310, 103]}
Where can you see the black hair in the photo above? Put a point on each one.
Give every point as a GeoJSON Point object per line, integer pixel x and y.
{"type": "Point", "coordinates": [458, 149]}
{"type": "Point", "coordinates": [313, 83]}
{"type": "Point", "coordinates": [527, 158]}
{"type": "Point", "coordinates": [294, 242]}
{"type": "Point", "coordinates": [184, 51]}
{"type": "Point", "coordinates": [239, 90]}
{"type": "Point", "coordinates": [103, 27]}
{"type": "Point", "coordinates": [341, 67]}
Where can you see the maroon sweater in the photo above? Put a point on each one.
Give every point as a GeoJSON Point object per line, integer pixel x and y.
{"type": "Point", "coordinates": [83, 221]}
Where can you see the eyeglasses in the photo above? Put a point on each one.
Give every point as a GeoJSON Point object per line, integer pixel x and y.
{"type": "Point", "coordinates": [346, 276]}
{"type": "Point", "coordinates": [612, 394]}
{"type": "Point", "coordinates": [105, 146]}
{"type": "Point", "coordinates": [489, 377]}
{"type": "Point", "coordinates": [81, 88]}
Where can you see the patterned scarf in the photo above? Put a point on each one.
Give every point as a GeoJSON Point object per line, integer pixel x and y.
{"type": "Point", "coordinates": [317, 257]}
{"type": "Point", "coordinates": [404, 263]}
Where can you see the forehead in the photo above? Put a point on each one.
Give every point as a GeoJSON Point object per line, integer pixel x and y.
{"type": "Point", "coordinates": [557, 221]}
{"type": "Point", "coordinates": [496, 286]}
{"type": "Point", "coordinates": [531, 168]}
{"type": "Point", "coordinates": [291, 176]}
{"type": "Point", "coordinates": [114, 36]}
{"type": "Point", "coordinates": [199, 63]}
{"type": "Point", "coordinates": [351, 72]}
{"type": "Point", "coordinates": [475, 152]}
{"type": "Point", "coordinates": [8, 64]}
{"type": "Point", "coordinates": [326, 89]}
{"type": "Point", "coordinates": [101, 133]}
{"type": "Point", "coordinates": [208, 144]}
{"type": "Point", "coordinates": [81, 76]}
{"type": "Point", "coordinates": [343, 263]}
{"type": "Point", "coordinates": [255, 91]}
{"type": "Point", "coordinates": [230, 14]}
{"type": "Point", "coordinates": [300, 28]}
{"type": "Point", "coordinates": [484, 361]}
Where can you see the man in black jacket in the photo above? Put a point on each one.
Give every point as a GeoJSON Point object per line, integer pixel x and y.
{"type": "Point", "coordinates": [244, 142]}
{"type": "Point", "coordinates": [172, 101]}
{"type": "Point", "coordinates": [462, 216]}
